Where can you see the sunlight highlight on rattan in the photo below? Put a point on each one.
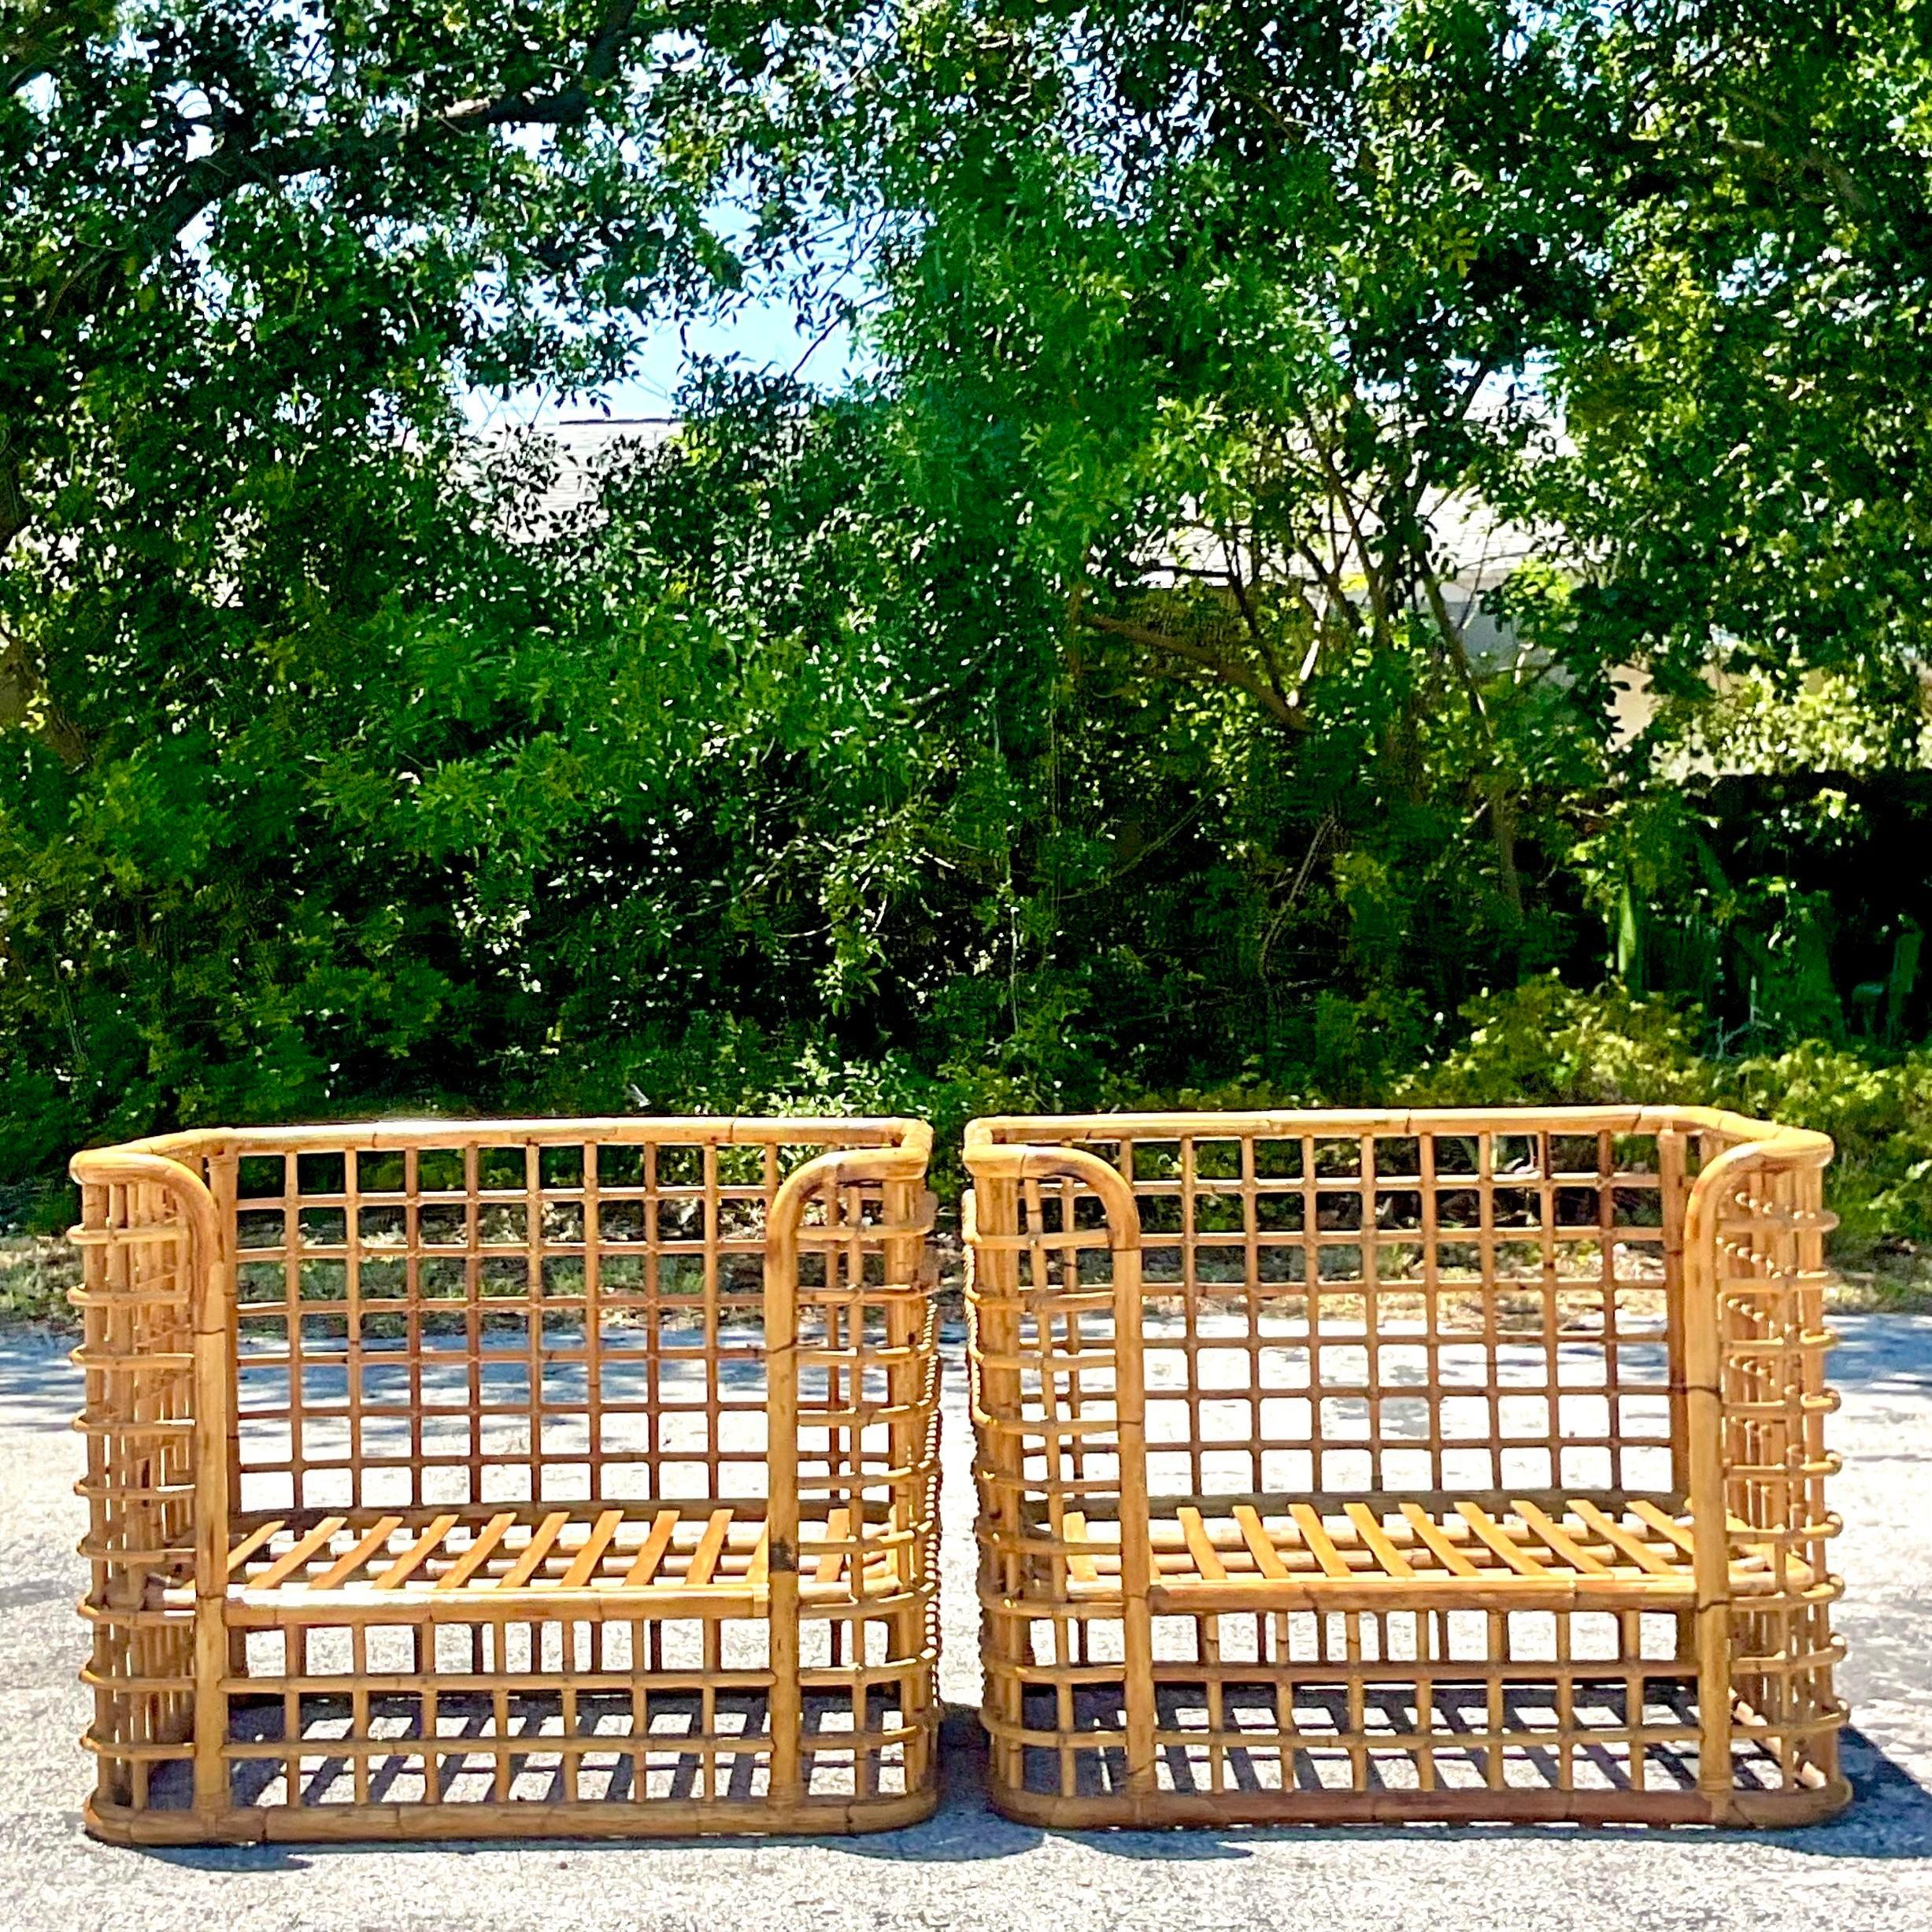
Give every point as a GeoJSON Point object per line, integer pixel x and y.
{"type": "Point", "coordinates": [1388, 1466]}
{"type": "Point", "coordinates": [510, 1477]}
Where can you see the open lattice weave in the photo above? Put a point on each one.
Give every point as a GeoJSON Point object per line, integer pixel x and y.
{"type": "Point", "coordinates": [1453, 1465]}
{"type": "Point", "coordinates": [510, 1477]}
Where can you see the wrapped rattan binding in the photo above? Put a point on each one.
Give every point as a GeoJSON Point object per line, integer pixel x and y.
{"type": "Point", "coordinates": [510, 1477]}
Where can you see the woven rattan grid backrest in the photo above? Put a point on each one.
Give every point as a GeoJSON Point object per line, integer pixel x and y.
{"type": "Point", "coordinates": [560, 1312]}
{"type": "Point", "coordinates": [1242, 1381]}
{"type": "Point", "coordinates": [1369, 1304]}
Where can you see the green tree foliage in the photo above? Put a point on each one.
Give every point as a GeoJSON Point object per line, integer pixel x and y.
{"type": "Point", "coordinates": [244, 238]}
{"type": "Point", "coordinates": [1746, 394]}
{"type": "Point", "coordinates": [1105, 698]}
{"type": "Point", "coordinates": [252, 253]}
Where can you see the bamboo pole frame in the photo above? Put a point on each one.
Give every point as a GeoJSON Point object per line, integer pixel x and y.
{"type": "Point", "coordinates": [501, 1477]}
{"type": "Point", "coordinates": [1453, 1464]}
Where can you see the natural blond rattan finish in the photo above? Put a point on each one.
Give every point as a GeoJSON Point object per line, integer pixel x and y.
{"type": "Point", "coordinates": [1448, 1465]}
{"type": "Point", "coordinates": [510, 1477]}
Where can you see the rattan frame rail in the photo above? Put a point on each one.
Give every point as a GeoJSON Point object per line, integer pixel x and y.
{"type": "Point", "coordinates": [1452, 1465]}
{"type": "Point", "coordinates": [509, 1477]}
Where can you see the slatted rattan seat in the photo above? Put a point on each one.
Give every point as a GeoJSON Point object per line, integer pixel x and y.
{"type": "Point", "coordinates": [1453, 1465]}
{"type": "Point", "coordinates": [510, 1478]}
{"type": "Point", "coordinates": [1515, 1553]}
{"type": "Point", "coordinates": [460, 1564]}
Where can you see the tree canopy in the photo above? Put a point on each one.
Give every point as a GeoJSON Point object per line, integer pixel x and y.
{"type": "Point", "coordinates": [1356, 507]}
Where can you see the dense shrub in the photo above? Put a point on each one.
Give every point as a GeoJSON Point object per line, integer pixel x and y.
{"type": "Point", "coordinates": [1878, 1109]}
{"type": "Point", "coordinates": [1545, 1041]}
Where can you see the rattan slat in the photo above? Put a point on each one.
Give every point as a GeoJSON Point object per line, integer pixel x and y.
{"type": "Point", "coordinates": [1445, 1464]}
{"type": "Point", "coordinates": [305, 1548]}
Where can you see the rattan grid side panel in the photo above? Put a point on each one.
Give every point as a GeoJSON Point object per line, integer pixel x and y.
{"type": "Point", "coordinates": [1767, 1278]}
{"type": "Point", "coordinates": [1370, 1435]}
{"type": "Point", "coordinates": [583, 1478]}
{"type": "Point", "coordinates": [1041, 1341]}
{"type": "Point", "coordinates": [137, 1305]}
{"type": "Point", "coordinates": [866, 1365]}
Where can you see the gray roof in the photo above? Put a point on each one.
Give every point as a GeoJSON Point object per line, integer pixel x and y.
{"type": "Point", "coordinates": [587, 446]}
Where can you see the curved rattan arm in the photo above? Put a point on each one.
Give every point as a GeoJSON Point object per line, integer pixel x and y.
{"type": "Point", "coordinates": [135, 1167]}
{"type": "Point", "coordinates": [1778, 1347]}
{"type": "Point", "coordinates": [993, 1160]}
{"type": "Point", "coordinates": [1793, 1150]}
{"type": "Point", "coordinates": [990, 1159]}
{"type": "Point", "coordinates": [102, 1168]}
{"type": "Point", "coordinates": [823, 1174]}
{"type": "Point", "coordinates": [133, 1382]}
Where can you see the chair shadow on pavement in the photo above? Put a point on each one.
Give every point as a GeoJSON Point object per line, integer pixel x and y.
{"type": "Point", "coordinates": [1890, 1817]}
{"type": "Point", "coordinates": [39, 1389]}
{"type": "Point", "coordinates": [964, 1830]}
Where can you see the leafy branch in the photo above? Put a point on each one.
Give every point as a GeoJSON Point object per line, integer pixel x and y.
{"type": "Point", "coordinates": [1230, 670]}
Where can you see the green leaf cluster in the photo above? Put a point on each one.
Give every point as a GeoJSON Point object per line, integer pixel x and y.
{"type": "Point", "coordinates": [1362, 518]}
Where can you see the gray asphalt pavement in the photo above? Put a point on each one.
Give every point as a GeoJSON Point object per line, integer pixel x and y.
{"type": "Point", "coordinates": [967, 1868]}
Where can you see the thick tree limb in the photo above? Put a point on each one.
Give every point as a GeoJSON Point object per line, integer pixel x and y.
{"type": "Point", "coordinates": [1230, 672]}
{"type": "Point", "coordinates": [210, 178]}
{"type": "Point", "coordinates": [1236, 578]}
{"type": "Point", "coordinates": [1333, 588]}
{"type": "Point", "coordinates": [1345, 500]}
{"type": "Point", "coordinates": [1813, 156]}
{"type": "Point", "coordinates": [1453, 646]}
{"type": "Point", "coordinates": [1326, 825]}
{"type": "Point", "coordinates": [1502, 804]}
{"type": "Point", "coordinates": [13, 516]}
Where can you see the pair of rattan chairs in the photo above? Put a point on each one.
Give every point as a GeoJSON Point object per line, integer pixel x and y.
{"type": "Point", "coordinates": [538, 1478]}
